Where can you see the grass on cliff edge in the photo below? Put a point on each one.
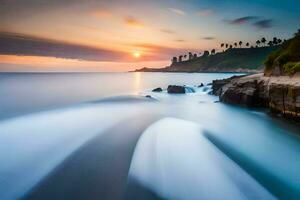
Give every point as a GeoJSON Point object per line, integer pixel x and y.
{"type": "Point", "coordinates": [291, 67]}
{"type": "Point", "coordinates": [287, 58]}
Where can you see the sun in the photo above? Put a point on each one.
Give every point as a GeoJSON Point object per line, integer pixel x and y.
{"type": "Point", "coordinates": [136, 54]}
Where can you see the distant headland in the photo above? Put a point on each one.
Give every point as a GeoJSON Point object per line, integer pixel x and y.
{"type": "Point", "coordinates": [232, 58]}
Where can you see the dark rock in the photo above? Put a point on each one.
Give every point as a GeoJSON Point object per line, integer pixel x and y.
{"type": "Point", "coordinates": [281, 98]}
{"type": "Point", "coordinates": [175, 89]}
{"type": "Point", "coordinates": [201, 85]}
{"type": "Point", "coordinates": [148, 96]}
{"type": "Point", "coordinates": [208, 84]}
{"type": "Point", "coordinates": [157, 90]}
{"type": "Point", "coordinates": [285, 99]}
{"type": "Point", "coordinates": [218, 84]}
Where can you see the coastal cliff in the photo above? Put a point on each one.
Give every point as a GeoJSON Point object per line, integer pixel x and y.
{"type": "Point", "coordinates": [280, 94]}
{"type": "Point", "coordinates": [248, 60]}
{"type": "Point", "coordinates": [277, 89]}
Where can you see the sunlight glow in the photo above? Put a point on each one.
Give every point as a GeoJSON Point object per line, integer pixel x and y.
{"type": "Point", "coordinates": [136, 54]}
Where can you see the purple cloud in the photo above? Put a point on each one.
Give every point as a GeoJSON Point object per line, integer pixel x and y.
{"type": "Point", "coordinates": [19, 44]}
{"type": "Point", "coordinates": [242, 20]}
{"type": "Point", "coordinates": [263, 24]}
{"type": "Point", "coordinates": [208, 38]}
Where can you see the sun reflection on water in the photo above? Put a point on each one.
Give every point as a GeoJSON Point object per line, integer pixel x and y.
{"type": "Point", "coordinates": [137, 82]}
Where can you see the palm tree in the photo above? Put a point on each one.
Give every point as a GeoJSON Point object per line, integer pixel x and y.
{"type": "Point", "coordinates": [174, 59]}
{"type": "Point", "coordinates": [185, 56]}
{"type": "Point", "coordinates": [279, 41]}
{"type": "Point", "coordinates": [270, 43]}
{"type": "Point", "coordinates": [190, 56]}
{"type": "Point", "coordinates": [180, 58]}
{"type": "Point", "coordinates": [222, 45]}
{"type": "Point", "coordinates": [235, 44]}
{"type": "Point", "coordinates": [240, 43]}
{"type": "Point", "coordinates": [213, 51]}
{"type": "Point", "coordinates": [275, 40]}
{"type": "Point", "coordinates": [230, 46]}
{"type": "Point", "coordinates": [258, 43]}
{"type": "Point", "coordinates": [263, 40]}
{"type": "Point", "coordinates": [247, 44]}
{"type": "Point", "coordinates": [226, 46]}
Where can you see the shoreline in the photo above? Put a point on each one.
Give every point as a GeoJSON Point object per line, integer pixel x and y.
{"type": "Point", "coordinates": [280, 95]}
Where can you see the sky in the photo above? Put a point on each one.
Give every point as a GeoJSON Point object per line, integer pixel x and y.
{"type": "Point", "coordinates": [122, 35]}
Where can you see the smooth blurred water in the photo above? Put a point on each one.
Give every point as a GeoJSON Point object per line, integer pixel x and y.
{"type": "Point", "coordinates": [28, 92]}
{"type": "Point", "coordinates": [197, 148]}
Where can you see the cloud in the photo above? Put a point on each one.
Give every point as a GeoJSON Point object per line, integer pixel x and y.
{"type": "Point", "coordinates": [256, 21]}
{"type": "Point", "coordinates": [101, 13]}
{"type": "Point", "coordinates": [132, 21]}
{"type": "Point", "coordinates": [263, 24]}
{"type": "Point", "coordinates": [242, 20]}
{"type": "Point", "coordinates": [179, 40]}
{"type": "Point", "coordinates": [158, 52]}
{"type": "Point", "coordinates": [167, 31]}
{"type": "Point", "coordinates": [18, 44]}
{"type": "Point", "coordinates": [177, 11]}
{"type": "Point", "coordinates": [208, 38]}
{"type": "Point", "coordinates": [205, 13]}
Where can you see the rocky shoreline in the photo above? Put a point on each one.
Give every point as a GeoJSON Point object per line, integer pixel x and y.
{"type": "Point", "coordinates": [280, 94]}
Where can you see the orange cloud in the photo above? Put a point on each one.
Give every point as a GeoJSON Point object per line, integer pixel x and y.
{"type": "Point", "coordinates": [167, 31]}
{"type": "Point", "coordinates": [101, 13]}
{"type": "Point", "coordinates": [179, 40]}
{"type": "Point", "coordinates": [131, 21]}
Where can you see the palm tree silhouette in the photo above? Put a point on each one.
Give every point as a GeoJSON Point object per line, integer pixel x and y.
{"type": "Point", "coordinates": [213, 51]}
{"type": "Point", "coordinates": [258, 43]}
{"type": "Point", "coordinates": [180, 58]}
{"type": "Point", "coordinates": [247, 44]}
{"type": "Point", "coordinates": [240, 43]}
{"type": "Point", "coordinates": [174, 59]}
{"type": "Point", "coordinates": [279, 41]}
{"type": "Point", "coordinates": [275, 40]}
{"type": "Point", "coordinates": [226, 46]}
{"type": "Point", "coordinates": [235, 44]}
{"type": "Point", "coordinates": [263, 40]}
{"type": "Point", "coordinates": [270, 43]}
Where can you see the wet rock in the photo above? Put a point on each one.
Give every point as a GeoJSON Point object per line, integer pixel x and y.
{"type": "Point", "coordinates": [285, 99]}
{"type": "Point", "coordinates": [148, 96]}
{"type": "Point", "coordinates": [201, 85]}
{"type": "Point", "coordinates": [257, 91]}
{"type": "Point", "coordinates": [157, 90]}
{"type": "Point", "coordinates": [218, 84]}
{"type": "Point", "coordinates": [175, 89]}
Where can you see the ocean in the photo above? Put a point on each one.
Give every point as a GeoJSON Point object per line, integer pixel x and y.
{"type": "Point", "coordinates": [97, 136]}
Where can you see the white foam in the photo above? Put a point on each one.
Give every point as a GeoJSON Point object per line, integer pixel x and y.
{"type": "Point", "coordinates": [176, 161]}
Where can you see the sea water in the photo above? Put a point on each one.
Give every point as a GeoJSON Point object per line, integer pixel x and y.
{"type": "Point", "coordinates": [189, 147]}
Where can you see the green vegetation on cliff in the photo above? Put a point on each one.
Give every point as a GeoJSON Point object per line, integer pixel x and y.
{"type": "Point", "coordinates": [286, 60]}
{"type": "Point", "coordinates": [229, 60]}
{"type": "Point", "coordinates": [236, 59]}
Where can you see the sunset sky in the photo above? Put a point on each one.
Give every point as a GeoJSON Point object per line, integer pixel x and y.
{"type": "Point", "coordinates": [122, 35]}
